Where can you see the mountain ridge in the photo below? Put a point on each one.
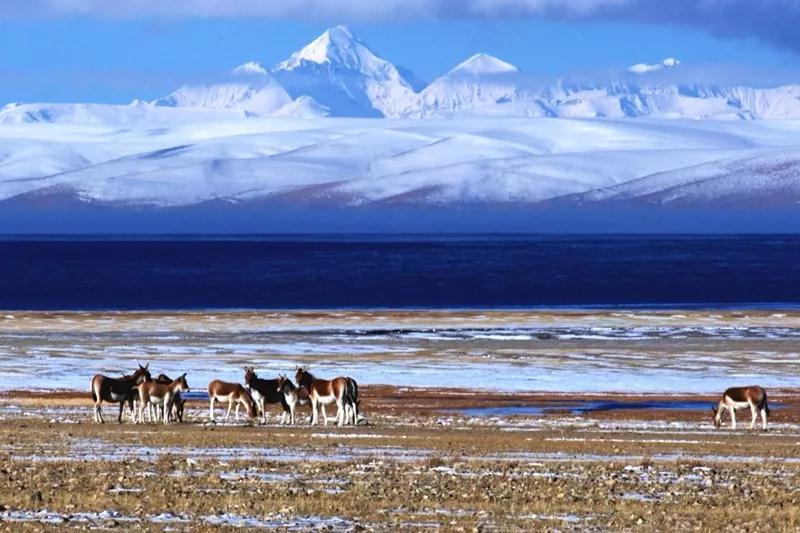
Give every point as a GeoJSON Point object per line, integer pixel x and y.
{"type": "Point", "coordinates": [345, 77]}
{"type": "Point", "coordinates": [337, 74]}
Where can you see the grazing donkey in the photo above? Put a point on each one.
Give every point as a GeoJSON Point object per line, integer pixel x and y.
{"type": "Point", "coordinates": [224, 391]}
{"type": "Point", "coordinates": [293, 396]}
{"type": "Point", "coordinates": [117, 390]}
{"type": "Point", "coordinates": [162, 394]}
{"type": "Point", "coordinates": [734, 398]}
{"type": "Point", "coordinates": [324, 392]}
{"type": "Point", "coordinates": [352, 402]}
{"type": "Point", "coordinates": [264, 391]}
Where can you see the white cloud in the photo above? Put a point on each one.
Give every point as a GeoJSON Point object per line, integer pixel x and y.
{"type": "Point", "coordinates": [643, 68]}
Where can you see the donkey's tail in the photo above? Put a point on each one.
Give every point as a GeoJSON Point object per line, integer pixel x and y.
{"type": "Point", "coordinates": [91, 389]}
{"type": "Point", "coordinates": [352, 390]}
{"type": "Point", "coordinates": [766, 405]}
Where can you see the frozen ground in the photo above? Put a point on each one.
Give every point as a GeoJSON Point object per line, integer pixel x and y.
{"type": "Point", "coordinates": [409, 469]}
{"type": "Point", "coordinates": [673, 352]}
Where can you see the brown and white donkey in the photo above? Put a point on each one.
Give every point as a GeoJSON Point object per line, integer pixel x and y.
{"type": "Point", "coordinates": [233, 393]}
{"type": "Point", "coordinates": [753, 396]}
{"type": "Point", "coordinates": [117, 390]}
{"type": "Point", "coordinates": [341, 390]}
{"type": "Point", "coordinates": [161, 394]}
{"type": "Point", "coordinates": [178, 401]}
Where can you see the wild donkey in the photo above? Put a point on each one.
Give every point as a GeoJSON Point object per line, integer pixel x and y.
{"type": "Point", "coordinates": [734, 398]}
{"type": "Point", "coordinates": [177, 402]}
{"type": "Point", "coordinates": [157, 394]}
{"type": "Point", "coordinates": [293, 396]}
{"type": "Point", "coordinates": [352, 402]}
{"type": "Point", "coordinates": [117, 390]}
{"type": "Point", "coordinates": [224, 391]}
{"type": "Point", "coordinates": [322, 392]}
{"type": "Point", "coordinates": [265, 391]}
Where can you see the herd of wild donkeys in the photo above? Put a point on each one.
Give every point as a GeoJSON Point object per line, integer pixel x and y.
{"type": "Point", "coordinates": [161, 399]}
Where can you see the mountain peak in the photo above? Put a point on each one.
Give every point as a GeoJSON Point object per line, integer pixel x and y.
{"type": "Point", "coordinates": [339, 32]}
{"type": "Point", "coordinates": [336, 46]}
{"type": "Point", "coordinates": [484, 64]}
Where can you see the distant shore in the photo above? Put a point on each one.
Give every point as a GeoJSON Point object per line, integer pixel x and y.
{"type": "Point", "coordinates": [698, 352]}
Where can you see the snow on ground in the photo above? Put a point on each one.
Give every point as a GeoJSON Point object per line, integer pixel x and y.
{"type": "Point", "coordinates": [160, 156]}
{"type": "Point", "coordinates": [695, 355]}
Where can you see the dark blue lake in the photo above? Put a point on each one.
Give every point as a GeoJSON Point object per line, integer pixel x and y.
{"type": "Point", "coordinates": [399, 272]}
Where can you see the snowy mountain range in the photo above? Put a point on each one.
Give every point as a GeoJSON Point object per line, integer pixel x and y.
{"type": "Point", "coordinates": [345, 78]}
{"type": "Point", "coordinates": [350, 163]}
{"type": "Point", "coordinates": [478, 135]}
{"type": "Point", "coordinates": [338, 75]}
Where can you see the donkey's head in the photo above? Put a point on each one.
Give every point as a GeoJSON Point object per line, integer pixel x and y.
{"type": "Point", "coordinates": [303, 377]}
{"type": "Point", "coordinates": [251, 404]}
{"type": "Point", "coordinates": [716, 416]}
{"type": "Point", "coordinates": [249, 375]}
{"type": "Point", "coordinates": [182, 385]}
{"type": "Point", "coordinates": [142, 374]}
{"type": "Point", "coordinates": [282, 380]}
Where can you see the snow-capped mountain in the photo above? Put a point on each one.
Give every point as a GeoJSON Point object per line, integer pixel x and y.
{"type": "Point", "coordinates": [345, 163]}
{"type": "Point", "coordinates": [257, 93]}
{"type": "Point", "coordinates": [338, 75]}
{"type": "Point", "coordinates": [135, 114]}
{"type": "Point", "coordinates": [482, 84]}
{"type": "Point", "coordinates": [259, 100]}
{"type": "Point", "coordinates": [238, 140]}
{"type": "Point", "coordinates": [342, 74]}
{"type": "Point", "coordinates": [764, 178]}
{"type": "Point", "coordinates": [672, 101]}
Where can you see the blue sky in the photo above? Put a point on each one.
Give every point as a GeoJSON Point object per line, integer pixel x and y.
{"type": "Point", "coordinates": [116, 59]}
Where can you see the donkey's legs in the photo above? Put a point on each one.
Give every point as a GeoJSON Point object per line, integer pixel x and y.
{"type": "Point", "coordinates": [350, 412]}
{"type": "Point", "coordinates": [98, 417]}
{"type": "Point", "coordinates": [733, 417]}
{"type": "Point", "coordinates": [211, 408]}
{"type": "Point", "coordinates": [314, 411]}
{"type": "Point", "coordinates": [324, 414]}
{"type": "Point", "coordinates": [340, 414]}
{"type": "Point", "coordinates": [121, 408]}
{"type": "Point", "coordinates": [754, 415]}
{"type": "Point", "coordinates": [230, 407]}
{"type": "Point", "coordinates": [142, 405]}
{"type": "Point", "coordinates": [764, 418]}
{"type": "Point", "coordinates": [167, 410]}
{"type": "Point", "coordinates": [131, 407]}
